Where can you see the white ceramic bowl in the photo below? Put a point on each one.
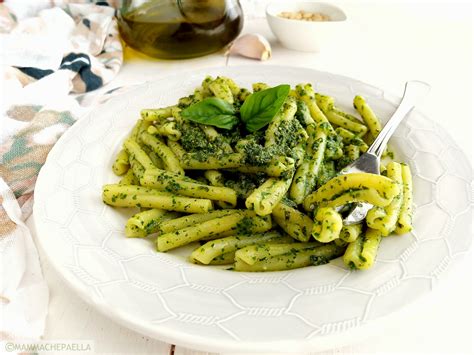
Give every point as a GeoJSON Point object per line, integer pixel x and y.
{"type": "Point", "coordinates": [307, 36]}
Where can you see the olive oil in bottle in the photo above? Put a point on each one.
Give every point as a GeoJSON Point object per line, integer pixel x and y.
{"type": "Point", "coordinates": [177, 29]}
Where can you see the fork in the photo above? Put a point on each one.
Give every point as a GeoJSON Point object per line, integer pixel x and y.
{"type": "Point", "coordinates": [369, 162]}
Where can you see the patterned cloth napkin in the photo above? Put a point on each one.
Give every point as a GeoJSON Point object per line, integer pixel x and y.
{"type": "Point", "coordinates": [50, 50]}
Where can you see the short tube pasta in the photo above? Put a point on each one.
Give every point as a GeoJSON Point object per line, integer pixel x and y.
{"type": "Point", "coordinates": [276, 167]}
{"type": "Point", "coordinates": [327, 225]}
{"type": "Point", "coordinates": [317, 148]}
{"type": "Point", "coordinates": [177, 149]}
{"type": "Point", "coordinates": [385, 219]}
{"type": "Point", "coordinates": [164, 152]}
{"type": "Point", "coordinates": [306, 173]}
{"type": "Point", "coordinates": [136, 152]}
{"type": "Point", "coordinates": [165, 182]}
{"type": "Point", "coordinates": [286, 114]}
{"type": "Point", "coordinates": [169, 130]}
{"type": "Point", "coordinates": [210, 132]}
{"type": "Point", "coordinates": [350, 232]}
{"type": "Point", "coordinates": [186, 221]}
{"type": "Point", "coordinates": [157, 114]}
{"type": "Point", "coordinates": [350, 138]}
{"type": "Point", "coordinates": [361, 253]}
{"type": "Point", "coordinates": [137, 169]}
{"type": "Point", "coordinates": [306, 94]}
{"type": "Point", "coordinates": [292, 260]}
{"type": "Point", "coordinates": [346, 115]}
{"type": "Point", "coordinates": [216, 179]}
{"type": "Point", "coordinates": [264, 199]}
{"type": "Point", "coordinates": [341, 121]}
{"type": "Point", "coordinates": [146, 222]}
{"type": "Point", "coordinates": [248, 225]}
{"type": "Point", "coordinates": [358, 187]}
{"type": "Point", "coordinates": [352, 152]}
{"type": "Point", "coordinates": [297, 224]}
{"type": "Point", "coordinates": [226, 161]}
{"type": "Point", "coordinates": [198, 231]}
{"type": "Point", "coordinates": [404, 223]}
{"type": "Point", "coordinates": [259, 252]}
{"type": "Point", "coordinates": [221, 89]}
{"type": "Point", "coordinates": [129, 178]}
{"type": "Point", "coordinates": [213, 135]}
{"type": "Point", "coordinates": [324, 102]}
{"type": "Point", "coordinates": [368, 115]}
{"type": "Point", "coordinates": [121, 163]}
{"type": "Point", "coordinates": [209, 251]}
{"type": "Point", "coordinates": [223, 259]}
{"type": "Point", "coordinates": [136, 196]}
{"type": "Point", "coordinates": [300, 184]}
{"type": "Point", "coordinates": [155, 159]}
{"type": "Point", "coordinates": [176, 114]}
{"type": "Point", "coordinates": [259, 86]}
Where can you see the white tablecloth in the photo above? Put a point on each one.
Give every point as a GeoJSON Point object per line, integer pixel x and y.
{"type": "Point", "coordinates": [388, 44]}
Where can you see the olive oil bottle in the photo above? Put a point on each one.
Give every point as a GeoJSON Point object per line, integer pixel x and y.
{"type": "Point", "coordinates": [178, 29]}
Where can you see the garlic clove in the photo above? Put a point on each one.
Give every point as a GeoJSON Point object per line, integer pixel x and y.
{"type": "Point", "coordinates": [252, 45]}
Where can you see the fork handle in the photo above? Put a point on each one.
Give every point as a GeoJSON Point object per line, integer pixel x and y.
{"type": "Point", "coordinates": [414, 92]}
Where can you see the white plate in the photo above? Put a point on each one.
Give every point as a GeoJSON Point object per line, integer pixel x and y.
{"type": "Point", "coordinates": [165, 297]}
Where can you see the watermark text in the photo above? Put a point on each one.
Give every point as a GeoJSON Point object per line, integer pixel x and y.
{"type": "Point", "coordinates": [44, 346]}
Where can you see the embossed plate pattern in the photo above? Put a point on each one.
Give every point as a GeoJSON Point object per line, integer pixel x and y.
{"type": "Point", "coordinates": [164, 296]}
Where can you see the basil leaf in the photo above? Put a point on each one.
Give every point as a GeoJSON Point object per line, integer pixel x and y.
{"type": "Point", "coordinates": [213, 112]}
{"type": "Point", "coordinates": [261, 107]}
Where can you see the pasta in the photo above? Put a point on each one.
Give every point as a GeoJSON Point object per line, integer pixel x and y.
{"type": "Point", "coordinates": [159, 114]}
{"type": "Point", "coordinates": [136, 152]}
{"type": "Point", "coordinates": [385, 219]}
{"type": "Point", "coordinates": [146, 222]}
{"type": "Point", "coordinates": [292, 259]}
{"type": "Point", "coordinates": [136, 196]}
{"type": "Point", "coordinates": [305, 176]}
{"type": "Point", "coordinates": [295, 223]}
{"type": "Point", "coordinates": [164, 152]}
{"type": "Point", "coordinates": [202, 230]}
{"type": "Point", "coordinates": [360, 254]}
{"type": "Point", "coordinates": [129, 178]}
{"type": "Point", "coordinates": [252, 175]}
{"type": "Point", "coordinates": [121, 164]}
{"type": "Point", "coordinates": [206, 253]}
{"type": "Point", "coordinates": [356, 187]}
{"type": "Point", "coordinates": [404, 223]}
{"type": "Point", "coordinates": [351, 232]}
{"type": "Point", "coordinates": [189, 220]}
{"type": "Point", "coordinates": [216, 179]}
{"type": "Point", "coordinates": [264, 199]}
{"type": "Point", "coordinates": [260, 252]}
{"type": "Point", "coordinates": [163, 181]}
{"type": "Point", "coordinates": [367, 115]}
{"type": "Point", "coordinates": [327, 225]}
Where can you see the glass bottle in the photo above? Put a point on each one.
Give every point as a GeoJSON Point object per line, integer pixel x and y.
{"type": "Point", "coordinates": [177, 29]}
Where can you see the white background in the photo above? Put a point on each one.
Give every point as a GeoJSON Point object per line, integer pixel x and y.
{"type": "Point", "coordinates": [387, 44]}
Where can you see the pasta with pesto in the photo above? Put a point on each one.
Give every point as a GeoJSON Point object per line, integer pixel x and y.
{"type": "Point", "coordinates": [249, 178]}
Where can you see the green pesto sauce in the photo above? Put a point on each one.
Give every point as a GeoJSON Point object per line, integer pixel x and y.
{"type": "Point", "coordinates": [318, 260]}
{"type": "Point", "coordinates": [245, 226]}
{"type": "Point", "coordinates": [290, 203]}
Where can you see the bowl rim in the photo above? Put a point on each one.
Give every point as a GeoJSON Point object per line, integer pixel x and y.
{"type": "Point", "coordinates": [279, 4]}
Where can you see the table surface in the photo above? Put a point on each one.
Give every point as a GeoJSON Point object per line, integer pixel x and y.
{"type": "Point", "coordinates": [387, 45]}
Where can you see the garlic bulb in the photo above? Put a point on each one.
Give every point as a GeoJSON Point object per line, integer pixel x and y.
{"type": "Point", "coordinates": [252, 45]}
